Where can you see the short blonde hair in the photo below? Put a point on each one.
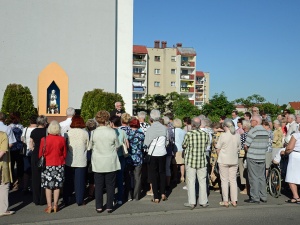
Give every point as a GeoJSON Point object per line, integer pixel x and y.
{"type": "Point", "coordinates": [125, 118]}
{"type": "Point", "coordinates": [177, 123]}
{"type": "Point", "coordinates": [54, 128]}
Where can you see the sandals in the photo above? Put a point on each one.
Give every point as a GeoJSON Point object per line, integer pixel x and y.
{"type": "Point", "coordinates": [293, 200]}
{"type": "Point", "coordinates": [155, 200]}
{"type": "Point", "coordinates": [164, 198]}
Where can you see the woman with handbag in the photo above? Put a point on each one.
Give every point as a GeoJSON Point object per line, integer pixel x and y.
{"type": "Point", "coordinates": [115, 123]}
{"type": "Point", "coordinates": [36, 135]}
{"type": "Point", "coordinates": [104, 143]}
{"type": "Point", "coordinates": [54, 150]}
{"type": "Point", "coordinates": [156, 138]}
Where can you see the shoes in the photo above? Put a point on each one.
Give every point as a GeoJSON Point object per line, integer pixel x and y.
{"type": "Point", "coordinates": [164, 198]}
{"type": "Point", "coordinates": [109, 210]}
{"type": "Point", "coordinates": [150, 193]}
{"type": "Point", "coordinates": [244, 192]}
{"type": "Point", "coordinates": [155, 200]}
{"type": "Point", "coordinates": [224, 204]}
{"type": "Point", "coordinates": [293, 200]}
{"type": "Point", "coordinates": [99, 210]}
{"type": "Point", "coordinates": [263, 201]}
{"type": "Point", "coordinates": [251, 201]}
{"type": "Point", "coordinates": [181, 179]}
{"type": "Point", "coordinates": [48, 209]}
{"type": "Point", "coordinates": [189, 205]}
{"type": "Point", "coordinates": [204, 205]}
{"type": "Point", "coordinates": [7, 213]}
{"type": "Point", "coordinates": [119, 202]}
{"type": "Point", "coordinates": [185, 187]}
{"type": "Point", "coordinates": [55, 209]}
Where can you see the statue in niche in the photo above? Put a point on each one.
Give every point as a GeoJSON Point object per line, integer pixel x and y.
{"type": "Point", "coordinates": [53, 107]}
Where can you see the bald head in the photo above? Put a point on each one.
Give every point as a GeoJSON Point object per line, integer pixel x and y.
{"type": "Point", "coordinates": [196, 122]}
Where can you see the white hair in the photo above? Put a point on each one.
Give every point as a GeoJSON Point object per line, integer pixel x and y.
{"type": "Point", "coordinates": [142, 114]}
{"type": "Point", "coordinates": [70, 111]}
{"type": "Point", "coordinates": [230, 125]}
{"type": "Point", "coordinates": [155, 115]}
{"type": "Point", "coordinates": [166, 120]}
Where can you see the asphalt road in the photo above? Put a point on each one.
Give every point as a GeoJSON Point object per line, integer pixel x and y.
{"type": "Point", "coordinates": [275, 211]}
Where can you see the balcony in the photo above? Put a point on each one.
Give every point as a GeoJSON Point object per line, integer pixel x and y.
{"type": "Point", "coordinates": [199, 89]}
{"type": "Point", "coordinates": [139, 62]}
{"type": "Point", "coordinates": [187, 77]}
{"type": "Point", "coordinates": [187, 89]}
{"type": "Point", "coordinates": [138, 89]}
{"type": "Point", "coordinates": [199, 99]}
{"type": "Point", "coordinates": [187, 64]}
{"type": "Point", "coordinates": [139, 75]}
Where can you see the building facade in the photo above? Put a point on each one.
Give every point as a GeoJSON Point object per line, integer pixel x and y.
{"type": "Point", "coordinates": [167, 70]}
{"type": "Point", "coordinates": [91, 42]}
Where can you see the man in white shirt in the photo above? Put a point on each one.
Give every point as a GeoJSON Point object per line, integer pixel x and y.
{"type": "Point", "coordinates": [65, 125]}
{"type": "Point", "coordinates": [235, 118]}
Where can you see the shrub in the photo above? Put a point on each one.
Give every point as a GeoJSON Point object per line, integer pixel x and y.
{"type": "Point", "coordinates": [17, 98]}
{"type": "Point", "coordinates": [93, 101]}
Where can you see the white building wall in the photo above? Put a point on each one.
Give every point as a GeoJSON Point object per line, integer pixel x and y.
{"type": "Point", "coordinates": [79, 35]}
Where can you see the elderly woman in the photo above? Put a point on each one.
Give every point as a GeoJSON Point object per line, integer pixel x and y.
{"type": "Point", "coordinates": [277, 136]}
{"type": "Point", "coordinates": [105, 162]}
{"type": "Point", "coordinates": [125, 118]}
{"type": "Point", "coordinates": [292, 173]}
{"type": "Point", "coordinates": [240, 129]}
{"type": "Point", "coordinates": [133, 168]}
{"type": "Point", "coordinates": [228, 148]}
{"type": "Point", "coordinates": [76, 161]}
{"type": "Point", "coordinates": [242, 157]}
{"type": "Point", "coordinates": [179, 136]}
{"type": "Point", "coordinates": [36, 135]}
{"type": "Point", "coordinates": [54, 149]}
{"type": "Point", "coordinates": [156, 138]}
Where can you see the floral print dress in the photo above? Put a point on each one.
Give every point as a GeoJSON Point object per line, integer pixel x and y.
{"type": "Point", "coordinates": [136, 143]}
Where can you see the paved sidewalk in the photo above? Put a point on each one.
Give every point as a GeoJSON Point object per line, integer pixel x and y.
{"type": "Point", "coordinates": [28, 213]}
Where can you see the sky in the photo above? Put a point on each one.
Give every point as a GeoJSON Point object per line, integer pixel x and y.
{"type": "Point", "coordinates": [248, 46]}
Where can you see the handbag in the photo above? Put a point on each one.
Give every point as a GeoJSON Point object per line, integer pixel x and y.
{"type": "Point", "coordinates": [24, 147]}
{"type": "Point", "coordinates": [42, 160]}
{"type": "Point", "coordinates": [147, 157]}
{"type": "Point", "coordinates": [125, 150]}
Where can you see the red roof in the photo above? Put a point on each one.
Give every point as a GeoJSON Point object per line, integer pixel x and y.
{"type": "Point", "coordinates": [295, 105]}
{"type": "Point", "coordinates": [141, 49]}
{"type": "Point", "coordinates": [199, 74]}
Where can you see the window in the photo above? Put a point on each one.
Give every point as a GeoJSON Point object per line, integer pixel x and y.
{"type": "Point", "coordinates": [184, 72]}
{"type": "Point", "coordinates": [173, 83]}
{"type": "Point", "coordinates": [173, 71]}
{"type": "Point", "coordinates": [157, 58]}
{"type": "Point", "coordinates": [156, 83]}
{"type": "Point", "coordinates": [173, 58]}
{"type": "Point", "coordinates": [137, 96]}
{"type": "Point", "coordinates": [157, 71]}
{"type": "Point", "coordinates": [137, 70]}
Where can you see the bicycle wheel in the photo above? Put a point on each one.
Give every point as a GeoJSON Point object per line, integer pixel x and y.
{"type": "Point", "coordinates": [275, 182]}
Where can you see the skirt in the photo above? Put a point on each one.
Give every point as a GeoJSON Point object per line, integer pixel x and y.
{"type": "Point", "coordinates": [293, 168]}
{"type": "Point", "coordinates": [53, 177]}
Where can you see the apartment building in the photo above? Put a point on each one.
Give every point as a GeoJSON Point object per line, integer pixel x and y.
{"type": "Point", "coordinates": [162, 69]}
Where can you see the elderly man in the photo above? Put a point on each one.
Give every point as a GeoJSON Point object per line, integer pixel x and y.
{"type": "Point", "coordinates": [256, 145]}
{"type": "Point", "coordinates": [65, 125]}
{"type": "Point", "coordinates": [5, 175]}
{"type": "Point", "coordinates": [235, 118]}
{"type": "Point", "coordinates": [194, 144]}
{"type": "Point", "coordinates": [292, 128]}
{"type": "Point", "coordinates": [118, 111]}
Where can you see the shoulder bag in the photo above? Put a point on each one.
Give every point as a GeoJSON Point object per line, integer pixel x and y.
{"type": "Point", "coordinates": [42, 160]}
{"type": "Point", "coordinates": [147, 157]}
{"type": "Point", "coordinates": [24, 148]}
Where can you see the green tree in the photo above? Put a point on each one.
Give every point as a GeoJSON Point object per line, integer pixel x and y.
{"type": "Point", "coordinates": [17, 98]}
{"type": "Point", "coordinates": [182, 107]}
{"type": "Point", "coordinates": [218, 106]}
{"type": "Point", "coordinates": [93, 101]}
{"type": "Point", "coordinates": [250, 101]}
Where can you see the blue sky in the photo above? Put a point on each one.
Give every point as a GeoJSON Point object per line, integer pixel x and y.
{"type": "Point", "coordinates": [248, 46]}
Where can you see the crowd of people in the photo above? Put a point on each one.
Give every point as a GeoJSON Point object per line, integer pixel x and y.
{"type": "Point", "coordinates": [115, 150]}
